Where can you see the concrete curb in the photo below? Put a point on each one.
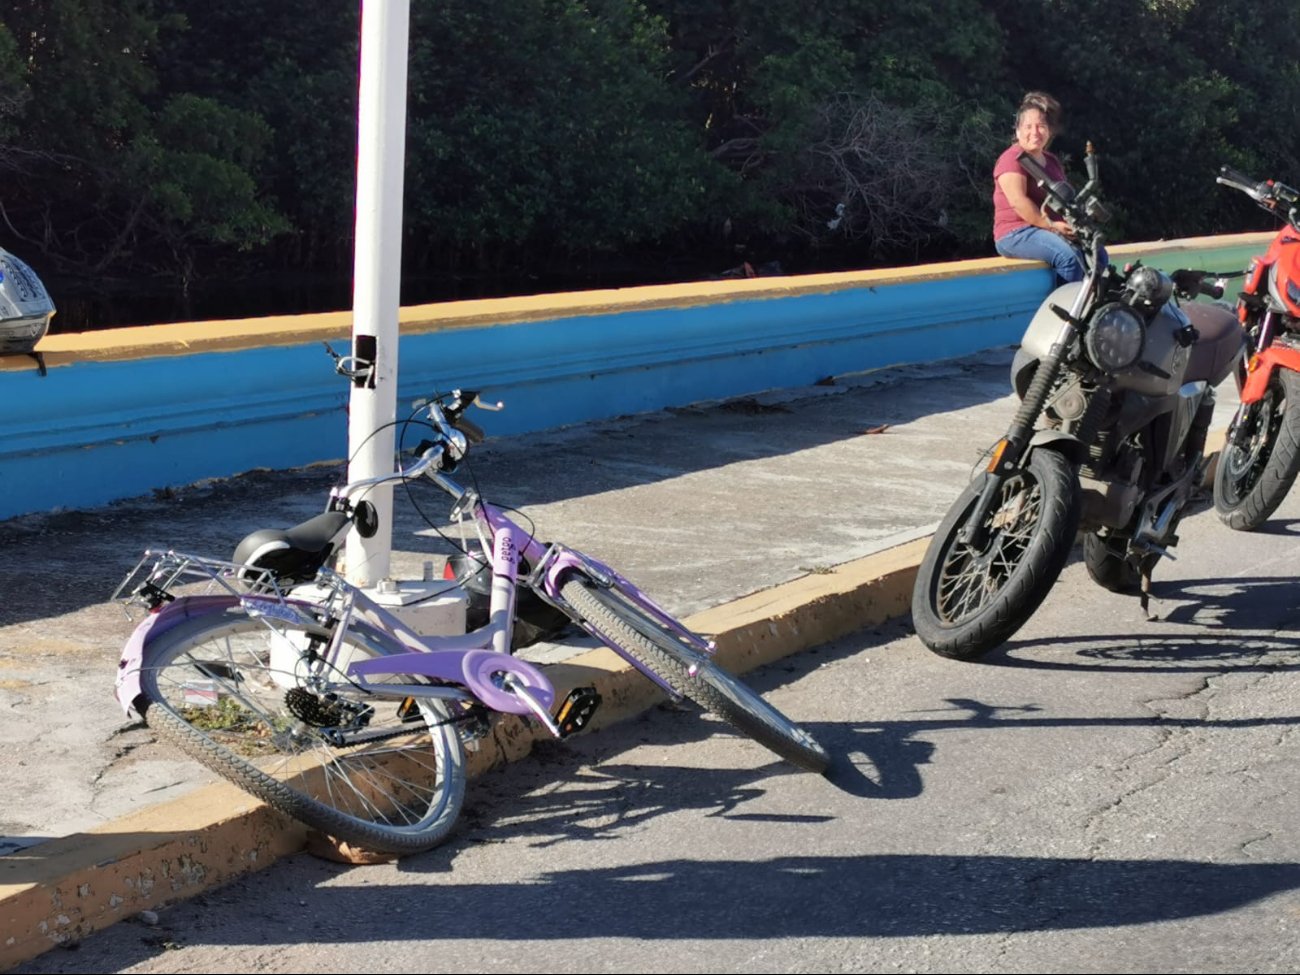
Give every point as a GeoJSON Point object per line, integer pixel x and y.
{"type": "Point", "coordinates": [61, 891]}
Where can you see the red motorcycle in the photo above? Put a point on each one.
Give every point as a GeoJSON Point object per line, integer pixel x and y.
{"type": "Point", "coordinates": [1261, 457]}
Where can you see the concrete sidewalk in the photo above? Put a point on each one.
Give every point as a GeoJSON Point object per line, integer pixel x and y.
{"type": "Point", "coordinates": [777, 522]}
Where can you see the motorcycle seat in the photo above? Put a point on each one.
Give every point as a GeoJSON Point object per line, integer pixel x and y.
{"type": "Point", "coordinates": [1218, 342]}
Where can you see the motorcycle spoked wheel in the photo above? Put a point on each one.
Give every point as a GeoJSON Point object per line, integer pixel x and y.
{"type": "Point", "coordinates": [1253, 477]}
{"type": "Point", "coordinates": [967, 602]}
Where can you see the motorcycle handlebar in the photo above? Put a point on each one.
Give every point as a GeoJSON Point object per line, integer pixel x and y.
{"type": "Point", "coordinates": [1265, 192]}
{"type": "Point", "coordinates": [1240, 181]}
{"type": "Point", "coordinates": [1191, 283]}
{"type": "Point", "coordinates": [1082, 209]}
{"type": "Point", "coordinates": [1030, 164]}
{"type": "Point", "coordinates": [1055, 199]}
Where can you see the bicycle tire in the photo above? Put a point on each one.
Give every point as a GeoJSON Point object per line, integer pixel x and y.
{"type": "Point", "coordinates": [219, 687]}
{"type": "Point", "coordinates": [621, 620]}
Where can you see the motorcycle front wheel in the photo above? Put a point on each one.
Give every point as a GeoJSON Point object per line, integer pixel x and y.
{"type": "Point", "coordinates": [966, 602]}
{"type": "Point", "coordinates": [1260, 461]}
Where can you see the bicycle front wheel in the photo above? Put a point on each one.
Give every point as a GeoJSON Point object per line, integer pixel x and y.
{"type": "Point", "coordinates": [690, 672]}
{"type": "Point", "coordinates": [265, 704]}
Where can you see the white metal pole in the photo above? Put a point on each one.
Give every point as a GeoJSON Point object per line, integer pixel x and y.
{"type": "Point", "coordinates": [381, 149]}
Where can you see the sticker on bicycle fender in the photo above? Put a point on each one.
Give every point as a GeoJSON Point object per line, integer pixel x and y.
{"type": "Point", "coordinates": [272, 608]}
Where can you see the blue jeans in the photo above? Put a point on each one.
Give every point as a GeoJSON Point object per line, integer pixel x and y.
{"type": "Point", "coordinates": [1037, 244]}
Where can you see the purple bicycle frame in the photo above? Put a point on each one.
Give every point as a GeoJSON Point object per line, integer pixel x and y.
{"type": "Point", "coordinates": [480, 660]}
{"type": "Point", "coordinates": [552, 564]}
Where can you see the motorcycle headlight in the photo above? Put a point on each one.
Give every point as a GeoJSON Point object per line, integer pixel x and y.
{"type": "Point", "coordinates": [1115, 337]}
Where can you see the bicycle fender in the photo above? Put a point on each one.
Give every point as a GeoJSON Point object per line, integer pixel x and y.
{"type": "Point", "coordinates": [126, 687]}
{"type": "Point", "coordinates": [1260, 370]}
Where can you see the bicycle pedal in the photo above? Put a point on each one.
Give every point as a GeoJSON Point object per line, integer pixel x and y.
{"type": "Point", "coordinates": [577, 710]}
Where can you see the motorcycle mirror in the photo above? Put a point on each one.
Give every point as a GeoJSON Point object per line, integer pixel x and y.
{"type": "Point", "coordinates": [1098, 211]}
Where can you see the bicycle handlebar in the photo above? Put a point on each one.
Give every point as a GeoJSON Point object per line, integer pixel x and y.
{"type": "Point", "coordinates": [453, 435]}
{"type": "Point", "coordinates": [430, 460]}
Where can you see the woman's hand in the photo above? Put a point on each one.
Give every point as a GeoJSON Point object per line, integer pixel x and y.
{"type": "Point", "coordinates": [1016, 188]}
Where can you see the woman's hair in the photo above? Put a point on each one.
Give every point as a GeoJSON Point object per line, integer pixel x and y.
{"type": "Point", "coordinates": [1044, 103]}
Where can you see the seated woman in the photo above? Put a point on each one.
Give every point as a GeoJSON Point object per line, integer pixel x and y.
{"type": "Point", "coordinates": [1020, 227]}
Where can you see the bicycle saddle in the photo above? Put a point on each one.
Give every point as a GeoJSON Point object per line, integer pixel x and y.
{"type": "Point", "coordinates": [293, 554]}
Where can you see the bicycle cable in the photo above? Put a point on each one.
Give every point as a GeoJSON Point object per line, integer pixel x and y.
{"type": "Point", "coordinates": [465, 464]}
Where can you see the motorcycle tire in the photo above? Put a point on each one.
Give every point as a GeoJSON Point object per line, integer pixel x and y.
{"type": "Point", "coordinates": [1253, 477]}
{"type": "Point", "coordinates": [1106, 561]}
{"type": "Point", "coordinates": [966, 603]}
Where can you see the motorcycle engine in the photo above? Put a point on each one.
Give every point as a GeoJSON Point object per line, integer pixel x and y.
{"type": "Point", "coordinates": [1068, 402]}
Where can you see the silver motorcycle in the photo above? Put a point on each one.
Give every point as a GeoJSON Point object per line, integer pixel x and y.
{"type": "Point", "coordinates": [1116, 378]}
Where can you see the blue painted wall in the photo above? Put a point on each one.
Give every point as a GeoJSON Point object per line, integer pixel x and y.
{"type": "Point", "coordinates": [95, 431]}
{"type": "Point", "coordinates": [572, 369]}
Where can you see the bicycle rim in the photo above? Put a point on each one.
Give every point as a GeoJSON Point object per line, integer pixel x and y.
{"type": "Point", "coordinates": [255, 701]}
{"type": "Point", "coordinates": [622, 621]}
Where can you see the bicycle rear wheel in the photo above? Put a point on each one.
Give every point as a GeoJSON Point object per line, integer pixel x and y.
{"type": "Point", "coordinates": [691, 672]}
{"type": "Point", "coordinates": [256, 701]}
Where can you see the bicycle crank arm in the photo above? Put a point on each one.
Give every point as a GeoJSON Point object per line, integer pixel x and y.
{"type": "Point", "coordinates": [400, 691]}
{"type": "Point", "coordinates": [524, 692]}
{"type": "Point", "coordinates": [574, 712]}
